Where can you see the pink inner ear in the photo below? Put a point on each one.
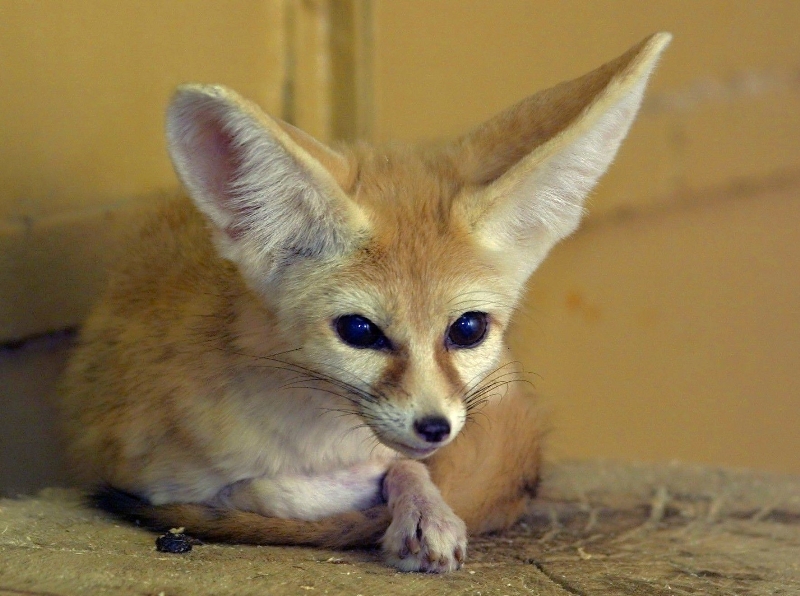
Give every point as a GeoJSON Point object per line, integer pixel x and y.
{"type": "Point", "coordinates": [216, 161]}
{"type": "Point", "coordinates": [212, 157]}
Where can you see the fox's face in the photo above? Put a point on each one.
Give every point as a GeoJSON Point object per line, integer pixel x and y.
{"type": "Point", "coordinates": [394, 272]}
{"type": "Point", "coordinates": [410, 322]}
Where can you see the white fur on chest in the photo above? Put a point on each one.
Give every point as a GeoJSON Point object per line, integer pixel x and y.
{"type": "Point", "coordinates": [290, 431]}
{"type": "Point", "coordinates": [287, 453]}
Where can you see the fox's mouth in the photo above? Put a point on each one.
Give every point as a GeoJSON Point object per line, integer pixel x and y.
{"type": "Point", "coordinates": [418, 453]}
{"type": "Point", "coordinates": [409, 451]}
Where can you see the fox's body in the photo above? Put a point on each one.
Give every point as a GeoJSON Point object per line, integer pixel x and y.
{"type": "Point", "coordinates": [274, 356]}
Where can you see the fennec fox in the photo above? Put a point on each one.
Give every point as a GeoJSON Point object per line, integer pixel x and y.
{"type": "Point", "coordinates": [292, 354]}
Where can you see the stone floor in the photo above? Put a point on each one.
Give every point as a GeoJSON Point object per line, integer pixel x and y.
{"type": "Point", "coordinates": [597, 528]}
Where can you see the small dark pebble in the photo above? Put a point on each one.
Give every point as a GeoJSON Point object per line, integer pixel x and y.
{"type": "Point", "coordinates": [173, 543]}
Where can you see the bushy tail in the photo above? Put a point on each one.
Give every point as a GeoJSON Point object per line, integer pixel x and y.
{"type": "Point", "coordinates": [215, 524]}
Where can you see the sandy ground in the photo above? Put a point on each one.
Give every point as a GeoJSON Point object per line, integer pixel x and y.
{"type": "Point", "coordinates": [597, 528]}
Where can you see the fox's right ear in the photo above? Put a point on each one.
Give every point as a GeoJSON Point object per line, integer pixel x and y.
{"type": "Point", "coordinates": [272, 193]}
{"type": "Point", "coordinates": [530, 168]}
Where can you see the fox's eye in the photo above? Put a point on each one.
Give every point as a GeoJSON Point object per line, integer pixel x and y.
{"type": "Point", "coordinates": [360, 332]}
{"type": "Point", "coordinates": [468, 330]}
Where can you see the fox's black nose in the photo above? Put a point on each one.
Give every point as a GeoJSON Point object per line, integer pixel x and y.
{"type": "Point", "coordinates": [432, 428]}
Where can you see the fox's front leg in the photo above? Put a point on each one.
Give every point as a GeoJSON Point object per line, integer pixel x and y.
{"type": "Point", "coordinates": [425, 534]}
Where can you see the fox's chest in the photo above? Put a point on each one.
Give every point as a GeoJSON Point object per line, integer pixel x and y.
{"type": "Point", "coordinates": [285, 432]}
{"type": "Point", "coordinates": [281, 454]}
{"type": "Point", "coordinates": [300, 458]}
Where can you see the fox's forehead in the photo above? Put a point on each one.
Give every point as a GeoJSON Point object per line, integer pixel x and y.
{"type": "Point", "coordinates": [418, 298]}
{"type": "Point", "coordinates": [421, 279]}
{"type": "Point", "coordinates": [403, 184]}
{"type": "Point", "coordinates": [419, 263]}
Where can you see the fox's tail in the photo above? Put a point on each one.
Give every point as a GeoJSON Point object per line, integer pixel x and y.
{"type": "Point", "coordinates": [216, 524]}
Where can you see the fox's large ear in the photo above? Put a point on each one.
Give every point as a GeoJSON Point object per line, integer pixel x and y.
{"type": "Point", "coordinates": [271, 192]}
{"type": "Point", "coordinates": [533, 165]}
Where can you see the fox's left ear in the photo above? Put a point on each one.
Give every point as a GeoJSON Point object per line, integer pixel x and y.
{"type": "Point", "coordinates": [530, 168]}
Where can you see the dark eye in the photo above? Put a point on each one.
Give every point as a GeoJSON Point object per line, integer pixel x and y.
{"type": "Point", "coordinates": [360, 332]}
{"type": "Point", "coordinates": [468, 330]}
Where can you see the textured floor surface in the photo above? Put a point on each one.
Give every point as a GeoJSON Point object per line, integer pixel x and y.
{"type": "Point", "coordinates": [597, 528]}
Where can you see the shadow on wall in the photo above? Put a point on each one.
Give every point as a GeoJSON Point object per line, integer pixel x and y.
{"type": "Point", "coordinates": [30, 453]}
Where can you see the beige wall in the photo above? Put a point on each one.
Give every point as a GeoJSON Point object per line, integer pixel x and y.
{"type": "Point", "coordinates": [669, 327]}
{"type": "Point", "coordinates": [85, 84]}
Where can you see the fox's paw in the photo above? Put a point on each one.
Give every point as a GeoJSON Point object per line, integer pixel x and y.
{"type": "Point", "coordinates": [425, 535]}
